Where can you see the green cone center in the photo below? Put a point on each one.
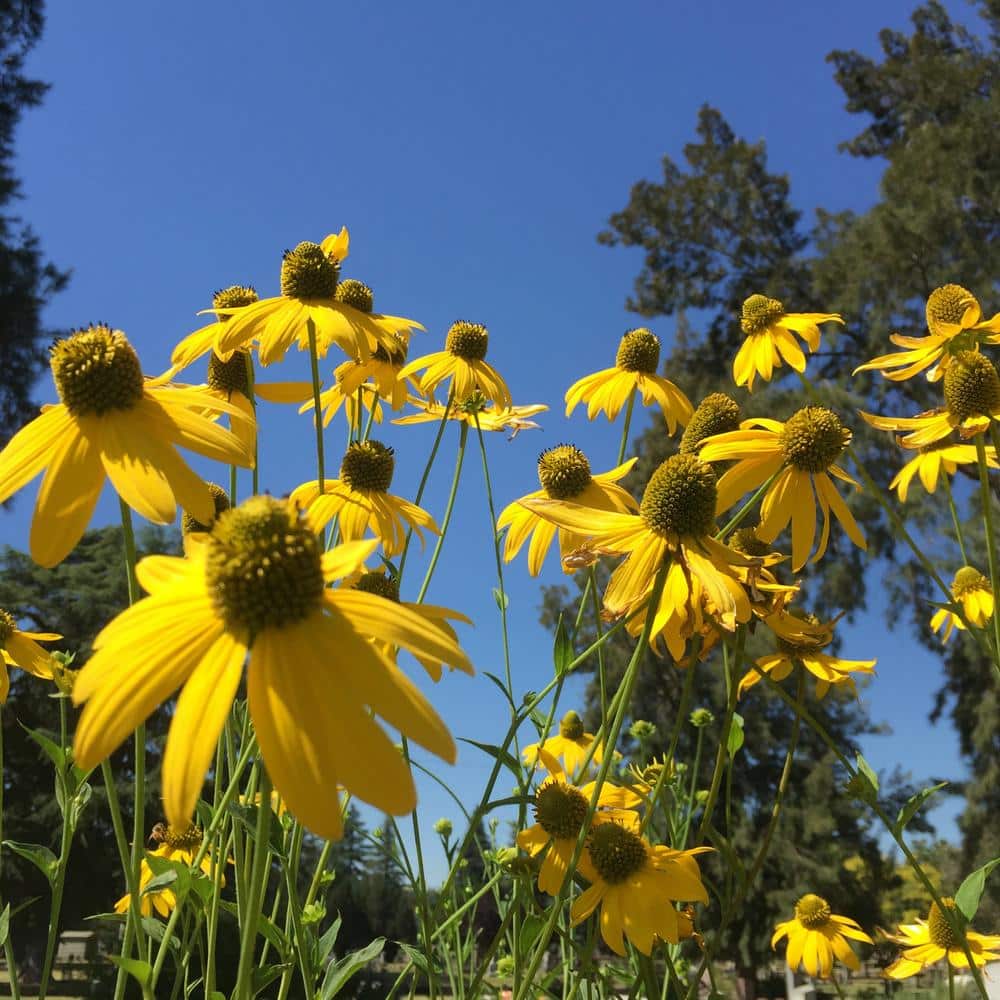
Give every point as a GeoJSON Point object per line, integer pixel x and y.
{"type": "Point", "coordinates": [263, 566]}
{"type": "Point", "coordinates": [745, 540]}
{"type": "Point", "coordinates": [812, 911]}
{"type": "Point", "coordinates": [564, 472]}
{"type": "Point", "coordinates": [368, 465]}
{"type": "Point", "coordinates": [232, 375]}
{"type": "Point", "coordinates": [189, 525]}
{"type": "Point", "coordinates": [560, 809]}
{"type": "Point", "coordinates": [938, 928]}
{"type": "Point", "coordinates": [8, 626]}
{"type": "Point", "coordinates": [96, 371]}
{"type": "Point", "coordinates": [971, 386]}
{"type": "Point", "coordinates": [183, 839]}
{"type": "Point", "coordinates": [948, 303]}
{"type": "Point", "coordinates": [639, 351]}
{"type": "Point", "coordinates": [759, 313]}
{"type": "Point", "coordinates": [234, 297]}
{"type": "Point", "coordinates": [467, 340]}
{"type": "Point", "coordinates": [396, 356]}
{"type": "Point", "coordinates": [355, 294]}
{"type": "Point", "coordinates": [571, 726]}
{"type": "Point", "coordinates": [308, 273]}
{"type": "Point", "coordinates": [967, 579]}
{"type": "Point", "coordinates": [680, 497]}
{"type": "Point", "coordinates": [813, 439]}
{"type": "Point", "coordinates": [382, 584]}
{"type": "Point", "coordinates": [616, 853]}
{"type": "Point", "coordinates": [716, 414]}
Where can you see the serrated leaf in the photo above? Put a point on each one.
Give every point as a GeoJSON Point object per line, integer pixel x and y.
{"type": "Point", "coordinates": [736, 737]}
{"type": "Point", "coordinates": [53, 751]}
{"type": "Point", "coordinates": [970, 892]}
{"type": "Point", "coordinates": [913, 804]}
{"type": "Point", "coordinates": [40, 856]}
{"type": "Point", "coordinates": [562, 650]}
{"type": "Point", "coordinates": [139, 970]}
{"type": "Point", "coordinates": [497, 753]}
{"type": "Point", "coordinates": [338, 975]}
{"type": "Point", "coordinates": [502, 600]}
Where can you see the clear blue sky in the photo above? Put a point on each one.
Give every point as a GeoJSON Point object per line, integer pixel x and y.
{"type": "Point", "coordinates": [474, 151]}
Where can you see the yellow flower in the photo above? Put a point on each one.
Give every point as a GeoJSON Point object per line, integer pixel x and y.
{"type": "Point", "coordinates": [463, 361]}
{"type": "Point", "coordinates": [635, 369]}
{"type": "Point", "coordinates": [179, 844]}
{"type": "Point", "coordinates": [933, 459]}
{"type": "Point", "coordinates": [475, 411]}
{"type": "Point", "coordinates": [676, 522]}
{"type": "Point", "coordinates": [972, 401]}
{"type": "Point", "coordinates": [199, 343]}
{"type": "Point", "coordinates": [360, 499]}
{"type": "Point", "coordinates": [769, 338]}
{"type": "Point", "coordinates": [111, 422]}
{"type": "Point", "coordinates": [954, 319]}
{"type": "Point", "coordinates": [20, 649]}
{"type": "Point", "coordinates": [377, 582]}
{"type": "Point", "coordinates": [310, 290]}
{"type": "Point", "coordinates": [973, 591]}
{"type": "Point", "coordinates": [315, 685]}
{"type": "Point", "coordinates": [564, 473]}
{"type": "Point", "coordinates": [278, 806]}
{"type": "Point", "coordinates": [816, 936]}
{"type": "Point", "coordinates": [798, 453]}
{"type": "Point", "coordinates": [572, 745]}
{"type": "Point", "coordinates": [800, 640]}
{"type": "Point", "coordinates": [560, 809]}
{"type": "Point", "coordinates": [928, 941]}
{"type": "Point", "coordinates": [636, 883]}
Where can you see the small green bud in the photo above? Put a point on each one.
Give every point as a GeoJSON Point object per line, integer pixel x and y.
{"type": "Point", "coordinates": [443, 828]}
{"type": "Point", "coordinates": [701, 717]}
{"type": "Point", "coordinates": [642, 730]}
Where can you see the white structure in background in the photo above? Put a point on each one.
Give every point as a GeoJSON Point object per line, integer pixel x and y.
{"type": "Point", "coordinates": [991, 976]}
{"type": "Point", "coordinates": [807, 991]}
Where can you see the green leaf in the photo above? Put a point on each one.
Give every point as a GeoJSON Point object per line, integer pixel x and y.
{"type": "Point", "coordinates": [4, 924]}
{"type": "Point", "coordinates": [503, 601]}
{"type": "Point", "coordinates": [531, 927]}
{"type": "Point", "coordinates": [736, 737]}
{"type": "Point", "coordinates": [327, 941]}
{"type": "Point", "coordinates": [141, 971]}
{"type": "Point", "coordinates": [913, 804]}
{"type": "Point", "coordinates": [417, 957]}
{"type": "Point", "coordinates": [262, 978]}
{"type": "Point", "coordinates": [562, 651]}
{"type": "Point", "coordinates": [167, 874]}
{"type": "Point", "coordinates": [499, 683]}
{"type": "Point", "coordinates": [53, 751]}
{"type": "Point", "coordinates": [970, 892]}
{"type": "Point", "coordinates": [498, 754]}
{"type": "Point", "coordinates": [338, 975]}
{"type": "Point", "coordinates": [265, 927]}
{"type": "Point", "coordinates": [864, 784]}
{"type": "Point", "coordinates": [41, 857]}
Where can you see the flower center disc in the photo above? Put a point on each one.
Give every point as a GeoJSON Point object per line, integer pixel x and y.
{"type": "Point", "coordinates": [221, 499]}
{"type": "Point", "coordinates": [395, 357]}
{"type": "Point", "coordinates": [564, 472]}
{"type": "Point", "coordinates": [948, 303]}
{"type": "Point", "coordinates": [379, 583]}
{"type": "Point", "coordinates": [368, 465]}
{"type": "Point", "coordinates": [639, 351]}
{"type": "Point", "coordinates": [183, 840]}
{"type": "Point", "coordinates": [616, 853]}
{"type": "Point", "coordinates": [680, 497]}
{"type": "Point", "coordinates": [967, 579]}
{"type": "Point", "coordinates": [812, 911]}
{"type": "Point", "coordinates": [760, 312]}
{"type": "Point", "coordinates": [263, 566]}
{"type": "Point", "coordinates": [355, 294]}
{"type": "Point", "coordinates": [938, 928]}
{"type": "Point", "coordinates": [8, 626]}
{"type": "Point", "coordinates": [560, 809]}
{"type": "Point", "coordinates": [234, 297]}
{"type": "Point", "coordinates": [716, 414]}
{"type": "Point", "coordinates": [745, 540]}
{"type": "Point", "coordinates": [813, 439]}
{"type": "Point", "coordinates": [230, 376]}
{"type": "Point", "coordinates": [571, 726]}
{"type": "Point", "coordinates": [971, 386]}
{"type": "Point", "coordinates": [468, 340]}
{"type": "Point", "coordinates": [96, 371]}
{"type": "Point", "coordinates": [308, 273]}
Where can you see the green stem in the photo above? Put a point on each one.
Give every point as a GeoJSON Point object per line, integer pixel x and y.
{"type": "Point", "coordinates": [8, 946]}
{"type": "Point", "coordinates": [955, 520]}
{"type": "Point", "coordinates": [260, 870]}
{"type": "Point", "coordinates": [951, 979]}
{"type": "Point", "coordinates": [991, 541]}
{"type": "Point", "coordinates": [316, 387]}
{"type": "Point", "coordinates": [624, 697]}
{"type": "Point", "coordinates": [252, 396]}
{"type": "Point", "coordinates": [623, 445]}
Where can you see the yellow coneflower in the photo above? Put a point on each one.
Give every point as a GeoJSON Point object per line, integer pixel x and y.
{"type": "Point", "coordinates": [973, 592]}
{"type": "Point", "coordinates": [196, 345]}
{"type": "Point", "coordinates": [635, 370]}
{"type": "Point", "coordinates": [176, 844]}
{"type": "Point", "coordinates": [572, 745]}
{"type": "Point", "coordinates": [675, 523]}
{"type": "Point", "coordinates": [564, 473]}
{"type": "Point", "coordinates": [934, 459]}
{"type": "Point", "coordinates": [635, 883]}
{"type": "Point", "coordinates": [258, 587]}
{"type": "Point", "coordinates": [464, 362]}
{"type": "Point", "coordinates": [476, 411]}
{"type": "Point", "coordinates": [360, 499]}
{"type": "Point", "coordinates": [928, 941]}
{"type": "Point", "coordinates": [19, 648]}
{"type": "Point", "coordinates": [800, 640]}
{"type": "Point", "coordinates": [309, 280]}
{"type": "Point", "coordinates": [799, 454]}
{"type": "Point", "coordinates": [769, 333]}
{"type": "Point", "coordinates": [111, 422]}
{"type": "Point", "coordinates": [954, 319]}
{"type": "Point", "coordinates": [387, 586]}
{"type": "Point", "coordinates": [972, 402]}
{"type": "Point", "coordinates": [816, 935]}
{"type": "Point", "coordinates": [561, 806]}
